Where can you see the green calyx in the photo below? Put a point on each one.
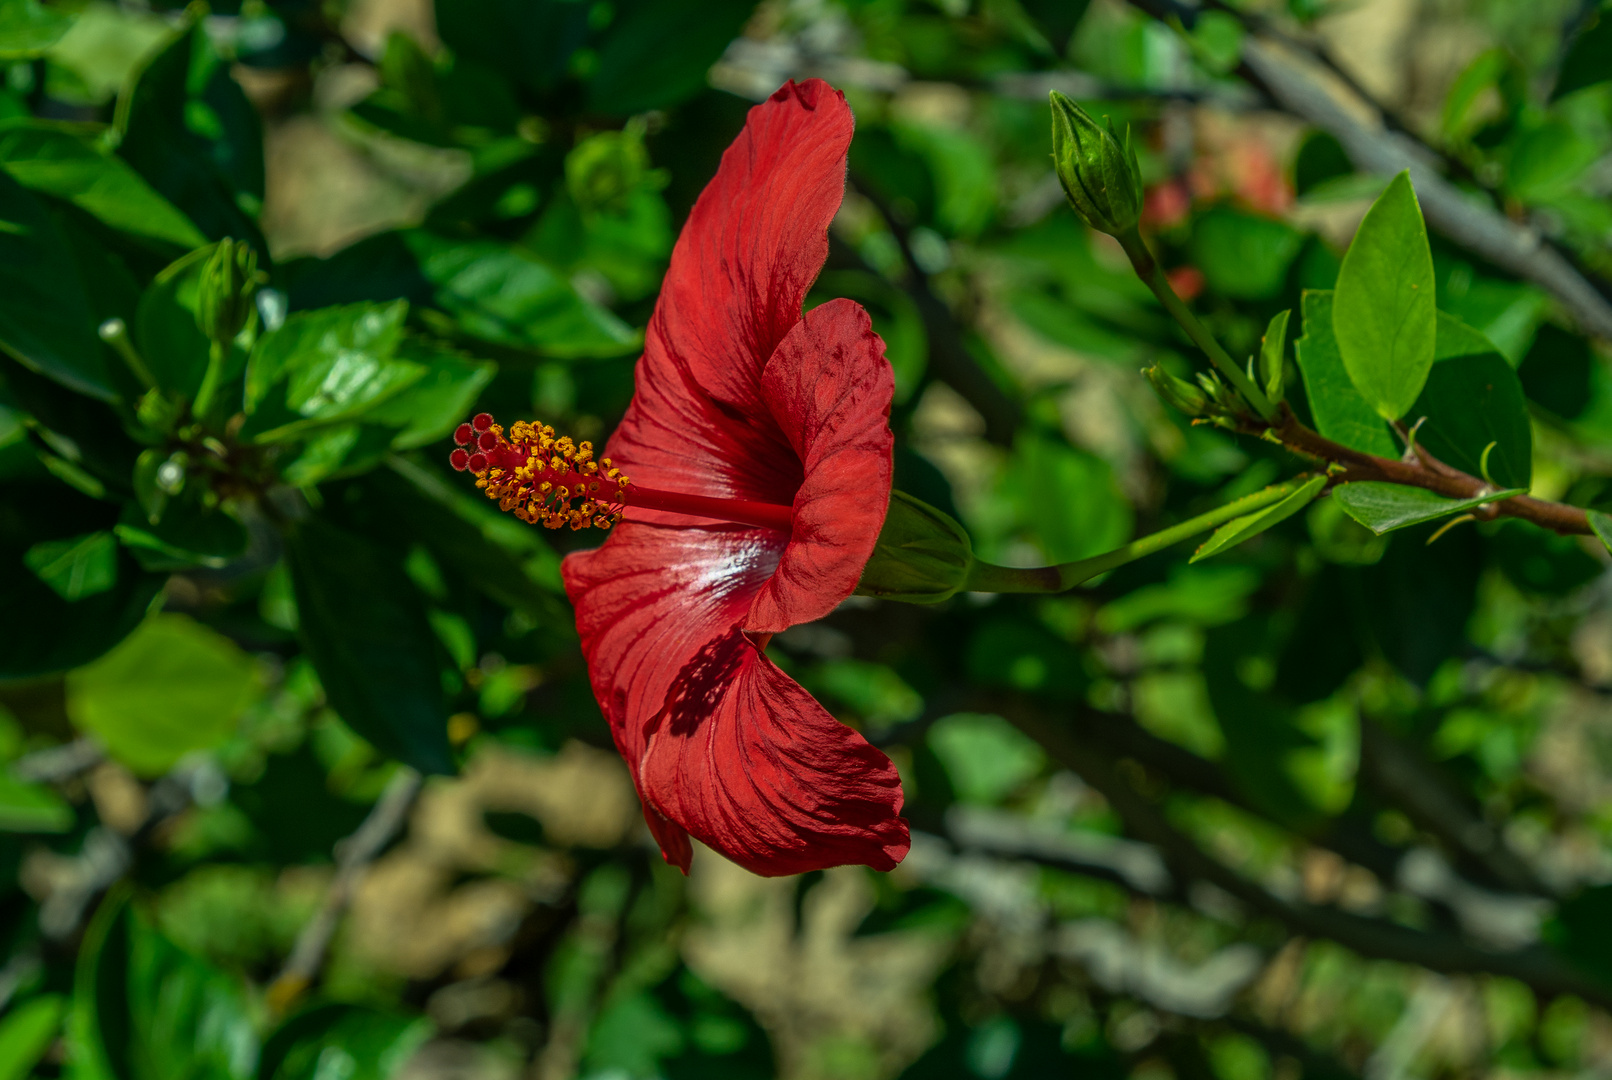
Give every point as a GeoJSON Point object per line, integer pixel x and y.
{"type": "Point", "coordinates": [923, 556]}
{"type": "Point", "coordinates": [1099, 173]}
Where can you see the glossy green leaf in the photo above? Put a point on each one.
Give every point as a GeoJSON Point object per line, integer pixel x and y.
{"type": "Point", "coordinates": [173, 687]}
{"type": "Point", "coordinates": [1339, 410]}
{"type": "Point", "coordinates": [27, 1032]}
{"type": "Point", "coordinates": [45, 321]}
{"type": "Point", "coordinates": [30, 808]}
{"type": "Point", "coordinates": [28, 28]}
{"type": "Point", "coordinates": [1248, 526]}
{"type": "Point", "coordinates": [1384, 313]}
{"type": "Point", "coordinates": [1473, 399]}
{"type": "Point", "coordinates": [77, 567]}
{"type": "Point", "coordinates": [60, 161]}
{"type": "Point", "coordinates": [432, 407]}
{"type": "Point", "coordinates": [502, 295]}
{"type": "Point", "coordinates": [350, 1041]}
{"type": "Point", "coordinates": [326, 366]}
{"type": "Point", "coordinates": [366, 632]}
{"type": "Point", "coordinates": [1383, 507]}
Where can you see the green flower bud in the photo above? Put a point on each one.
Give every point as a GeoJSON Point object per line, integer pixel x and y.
{"type": "Point", "coordinates": [923, 555]}
{"type": "Point", "coordinates": [229, 282]}
{"type": "Point", "coordinates": [1098, 172]}
{"type": "Point", "coordinates": [1177, 392]}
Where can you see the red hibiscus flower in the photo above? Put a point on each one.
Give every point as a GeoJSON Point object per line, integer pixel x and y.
{"type": "Point", "coordinates": [774, 429]}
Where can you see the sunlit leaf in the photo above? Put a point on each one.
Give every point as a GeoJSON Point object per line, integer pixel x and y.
{"type": "Point", "coordinates": [1384, 311]}
{"type": "Point", "coordinates": [1383, 507]}
{"type": "Point", "coordinates": [172, 688]}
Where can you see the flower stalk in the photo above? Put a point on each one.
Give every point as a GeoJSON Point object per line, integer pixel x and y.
{"type": "Point", "coordinates": [988, 577]}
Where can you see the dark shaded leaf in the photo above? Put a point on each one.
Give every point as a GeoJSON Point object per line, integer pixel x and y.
{"type": "Point", "coordinates": [1589, 61]}
{"type": "Point", "coordinates": [46, 321]}
{"type": "Point", "coordinates": [366, 632]}
{"type": "Point", "coordinates": [657, 52]}
{"type": "Point", "coordinates": [189, 130]}
{"type": "Point", "coordinates": [1472, 399]}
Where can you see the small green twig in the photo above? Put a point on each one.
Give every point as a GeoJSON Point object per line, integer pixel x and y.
{"type": "Point", "coordinates": [1148, 269]}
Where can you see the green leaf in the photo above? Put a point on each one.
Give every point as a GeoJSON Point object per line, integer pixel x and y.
{"type": "Point", "coordinates": [1339, 411]}
{"type": "Point", "coordinates": [189, 130]}
{"type": "Point", "coordinates": [1589, 60]}
{"type": "Point", "coordinates": [366, 632]}
{"type": "Point", "coordinates": [657, 54]}
{"type": "Point", "coordinates": [29, 808]}
{"type": "Point", "coordinates": [1384, 312]}
{"type": "Point", "coordinates": [45, 321]}
{"type": "Point", "coordinates": [1473, 399]}
{"type": "Point", "coordinates": [1272, 355]}
{"type": "Point", "coordinates": [525, 41]}
{"type": "Point", "coordinates": [1383, 507]}
{"type": "Point", "coordinates": [349, 1041]}
{"type": "Point", "coordinates": [188, 534]}
{"type": "Point", "coordinates": [58, 634]}
{"type": "Point", "coordinates": [1237, 530]}
{"type": "Point", "coordinates": [502, 295]}
{"type": "Point", "coordinates": [173, 687]}
{"type": "Point", "coordinates": [512, 566]}
{"type": "Point", "coordinates": [59, 160]}
{"type": "Point", "coordinates": [143, 1009]}
{"type": "Point", "coordinates": [27, 28]}
{"type": "Point", "coordinates": [78, 567]}
{"type": "Point", "coordinates": [1241, 255]}
{"type": "Point", "coordinates": [1602, 526]}
{"type": "Point", "coordinates": [441, 399]}
{"type": "Point", "coordinates": [326, 366]}
{"type": "Point", "coordinates": [27, 1032]}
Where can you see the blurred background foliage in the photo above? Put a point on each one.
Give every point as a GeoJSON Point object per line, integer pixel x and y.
{"type": "Point", "coordinates": [303, 777]}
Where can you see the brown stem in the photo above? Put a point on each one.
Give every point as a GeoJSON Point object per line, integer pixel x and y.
{"type": "Point", "coordinates": [1433, 476]}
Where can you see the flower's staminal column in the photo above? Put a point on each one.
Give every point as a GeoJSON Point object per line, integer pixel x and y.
{"type": "Point", "coordinates": [537, 476]}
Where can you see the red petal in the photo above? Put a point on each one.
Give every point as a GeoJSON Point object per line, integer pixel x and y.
{"type": "Point", "coordinates": [647, 602]}
{"type": "Point", "coordinates": [749, 763]}
{"type": "Point", "coordinates": [753, 245]}
{"type": "Point", "coordinates": [829, 388]}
